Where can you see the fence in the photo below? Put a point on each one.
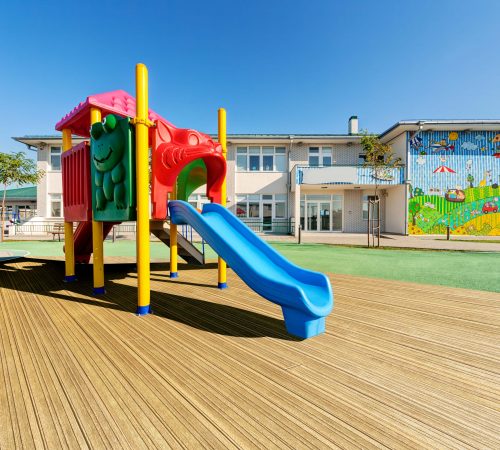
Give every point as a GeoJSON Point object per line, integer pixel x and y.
{"type": "Point", "coordinates": [128, 230]}
{"type": "Point", "coordinates": [274, 226]}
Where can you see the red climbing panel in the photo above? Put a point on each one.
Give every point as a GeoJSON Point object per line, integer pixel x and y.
{"type": "Point", "coordinates": [173, 148]}
{"type": "Point", "coordinates": [76, 177]}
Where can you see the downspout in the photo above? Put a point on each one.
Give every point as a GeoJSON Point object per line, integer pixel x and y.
{"type": "Point", "coordinates": [407, 175]}
{"type": "Point", "coordinates": [408, 172]}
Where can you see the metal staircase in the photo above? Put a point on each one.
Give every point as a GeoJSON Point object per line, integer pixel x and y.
{"type": "Point", "coordinates": [186, 249]}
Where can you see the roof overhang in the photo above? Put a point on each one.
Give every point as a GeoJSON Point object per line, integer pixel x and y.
{"type": "Point", "coordinates": [39, 142]}
{"type": "Point", "coordinates": [439, 125]}
{"type": "Point", "coordinates": [295, 139]}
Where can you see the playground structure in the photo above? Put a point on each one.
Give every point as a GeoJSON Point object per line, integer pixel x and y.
{"type": "Point", "coordinates": [107, 181]}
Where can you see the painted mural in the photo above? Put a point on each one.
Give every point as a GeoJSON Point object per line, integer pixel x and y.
{"type": "Point", "coordinates": [455, 178]}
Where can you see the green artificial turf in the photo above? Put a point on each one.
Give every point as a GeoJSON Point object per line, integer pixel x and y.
{"type": "Point", "coordinates": [473, 270]}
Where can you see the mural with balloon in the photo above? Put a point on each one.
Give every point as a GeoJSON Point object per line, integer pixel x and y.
{"type": "Point", "coordinates": [455, 178]}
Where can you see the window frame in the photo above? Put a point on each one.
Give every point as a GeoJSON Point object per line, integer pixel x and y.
{"type": "Point", "coordinates": [52, 199]}
{"type": "Point", "coordinates": [364, 206]}
{"type": "Point", "coordinates": [51, 148]}
{"type": "Point", "coordinates": [243, 202]}
{"type": "Point", "coordinates": [320, 155]}
{"type": "Point", "coordinates": [278, 154]}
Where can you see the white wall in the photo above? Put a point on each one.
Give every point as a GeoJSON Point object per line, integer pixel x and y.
{"type": "Point", "coordinates": [399, 147]}
{"type": "Point", "coordinates": [395, 210]}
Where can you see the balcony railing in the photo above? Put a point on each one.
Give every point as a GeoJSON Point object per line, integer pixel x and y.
{"type": "Point", "coordinates": [347, 175]}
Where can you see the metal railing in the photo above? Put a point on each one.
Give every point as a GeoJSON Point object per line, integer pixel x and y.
{"type": "Point", "coordinates": [274, 226]}
{"type": "Point", "coordinates": [257, 225]}
{"type": "Point", "coordinates": [347, 174]}
{"type": "Point", "coordinates": [188, 233]}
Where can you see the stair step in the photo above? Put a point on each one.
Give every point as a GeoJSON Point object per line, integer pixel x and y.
{"type": "Point", "coordinates": [187, 251]}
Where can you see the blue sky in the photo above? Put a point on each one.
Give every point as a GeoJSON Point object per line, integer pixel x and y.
{"type": "Point", "coordinates": [276, 66]}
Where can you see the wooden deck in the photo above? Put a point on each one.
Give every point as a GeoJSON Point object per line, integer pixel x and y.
{"type": "Point", "coordinates": [401, 365]}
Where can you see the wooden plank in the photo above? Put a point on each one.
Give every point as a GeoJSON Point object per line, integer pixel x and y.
{"type": "Point", "coordinates": [401, 365]}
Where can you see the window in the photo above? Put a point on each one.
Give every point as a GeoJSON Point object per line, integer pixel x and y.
{"type": "Point", "coordinates": [55, 205]}
{"type": "Point", "coordinates": [198, 200]}
{"type": "Point", "coordinates": [327, 156]}
{"type": "Point", "coordinates": [280, 206]}
{"type": "Point", "coordinates": [280, 159]}
{"type": "Point", "coordinates": [241, 206]}
{"type": "Point", "coordinates": [242, 159]}
{"type": "Point", "coordinates": [254, 158]}
{"type": "Point", "coordinates": [361, 158]}
{"type": "Point", "coordinates": [320, 156]}
{"type": "Point", "coordinates": [366, 199]}
{"type": "Point", "coordinates": [314, 156]}
{"type": "Point", "coordinates": [261, 159]}
{"type": "Point", "coordinates": [254, 206]}
{"type": "Point", "coordinates": [268, 158]}
{"type": "Point", "coordinates": [251, 205]}
{"type": "Point", "coordinates": [55, 158]}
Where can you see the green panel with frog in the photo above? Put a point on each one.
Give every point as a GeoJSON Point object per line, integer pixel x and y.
{"type": "Point", "coordinates": [112, 152]}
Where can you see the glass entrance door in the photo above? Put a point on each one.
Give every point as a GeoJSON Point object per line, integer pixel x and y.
{"type": "Point", "coordinates": [312, 216]}
{"type": "Point", "coordinates": [324, 209]}
{"type": "Point", "coordinates": [322, 212]}
{"type": "Point", "coordinates": [267, 216]}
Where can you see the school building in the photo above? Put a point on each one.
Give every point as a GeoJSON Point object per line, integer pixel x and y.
{"type": "Point", "coordinates": [449, 177]}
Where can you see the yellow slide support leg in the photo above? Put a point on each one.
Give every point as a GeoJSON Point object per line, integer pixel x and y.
{"type": "Point", "coordinates": [142, 175]}
{"type": "Point", "coordinates": [97, 234]}
{"type": "Point", "coordinates": [69, 243]}
{"type": "Point", "coordinates": [174, 251]}
{"type": "Point", "coordinates": [222, 273]}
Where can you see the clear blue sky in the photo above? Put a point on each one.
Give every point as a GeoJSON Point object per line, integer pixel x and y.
{"type": "Point", "coordinates": [277, 66]}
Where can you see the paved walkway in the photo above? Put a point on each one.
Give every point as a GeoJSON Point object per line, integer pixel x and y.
{"type": "Point", "coordinates": [431, 242]}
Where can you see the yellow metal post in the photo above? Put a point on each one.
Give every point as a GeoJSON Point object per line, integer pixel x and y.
{"type": "Point", "coordinates": [142, 186]}
{"type": "Point", "coordinates": [222, 273]}
{"type": "Point", "coordinates": [173, 242]}
{"type": "Point", "coordinates": [97, 234]}
{"type": "Point", "coordinates": [69, 243]}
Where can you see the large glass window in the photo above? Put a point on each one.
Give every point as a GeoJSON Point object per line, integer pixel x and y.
{"type": "Point", "coordinates": [320, 156]}
{"type": "Point", "coordinates": [257, 159]}
{"type": "Point", "coordinates": [55, 158]}
{"type": "Point", "coordinates": [259, 206]}
{"type": "Point", "coordinates": [55, 205]}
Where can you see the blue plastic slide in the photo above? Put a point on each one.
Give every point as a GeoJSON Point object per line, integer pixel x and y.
{"type": "Point", "coordinates": [305, 297]}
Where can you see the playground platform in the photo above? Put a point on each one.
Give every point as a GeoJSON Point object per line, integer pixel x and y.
{"type": "Point", "coordinates": [401, 365]}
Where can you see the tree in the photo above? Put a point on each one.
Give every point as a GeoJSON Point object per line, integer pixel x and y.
{"type": "Point", "coordinates": [16, 168]}
{"type": "Point", "coordinates": [470, 180]}
{"type": "Point", "coordinates": [379, 157]}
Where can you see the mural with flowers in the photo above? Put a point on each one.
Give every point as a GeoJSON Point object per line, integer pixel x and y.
{"type": "Point", "coordinates": [455, 178]}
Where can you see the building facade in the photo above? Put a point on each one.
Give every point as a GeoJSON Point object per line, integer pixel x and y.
{"type": "Point", "coordinates": [20, 203]}
{"type": "Point", "coordinates": [278, 183]}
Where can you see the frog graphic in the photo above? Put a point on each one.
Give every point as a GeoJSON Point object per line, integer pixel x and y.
{"type": "Point", "coordinates": [108, 147]}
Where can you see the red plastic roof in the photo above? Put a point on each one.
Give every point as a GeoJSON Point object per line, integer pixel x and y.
{"type": "Point", "coordinates": [115, 102]}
